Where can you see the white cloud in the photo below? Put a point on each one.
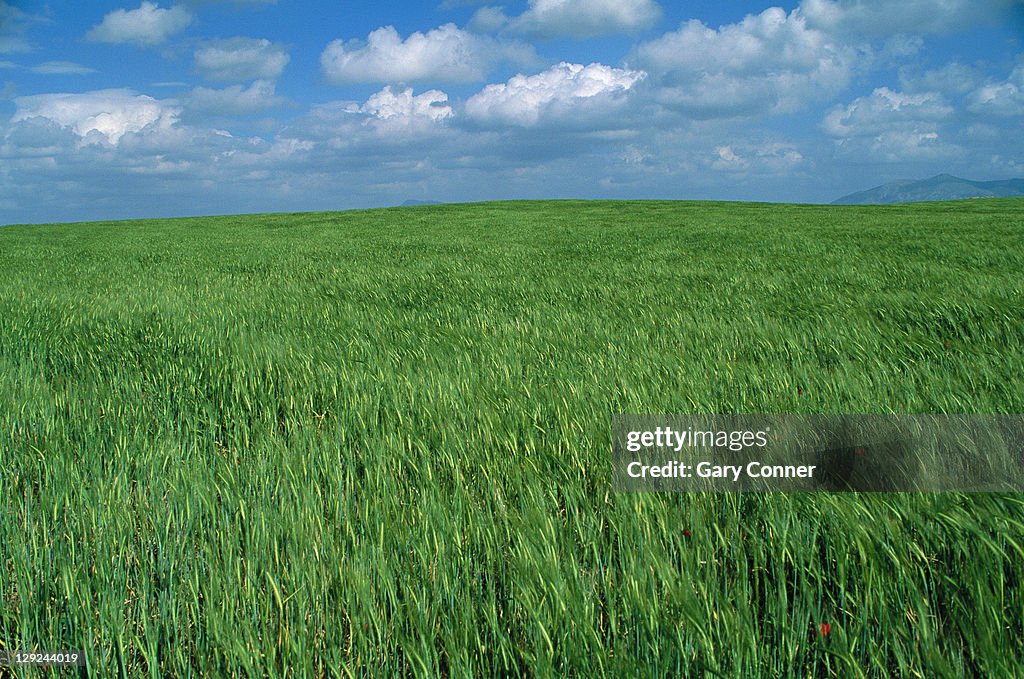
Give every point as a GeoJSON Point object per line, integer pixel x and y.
{"type": "Point", "coordinates": [390, 105]}
{"type": "Point", "coordinates": [562, 130]}
{"type": "Point", "coordinates": [954, 78]}
{"type": "Point", "coordinates": [902, 146]}
{"type": "Point", "coordinates": [634, 155]}
{"type": "Point", "coordinates": [558, 92]}
{"type": "Point", "coordinates": [893, 127]}
{"type": "Point", "coordinates": [770, 158]}
{"type": "Point", "coordinates": [585, 18]}
{"type": "Point", "coordinates": [767, 62]}
{"type": "Point", "coordinates": [885, 109]}
{"type": "Point", "coordinates": [239, 59]}
{"type": "Point", "coordinates": [236, 100]}
{"type": "Point", "coordinates": [1004, 99]}
{"type": "Point", "coordinates": [102, 116]}
{"type": "Point", "coordinates": [488, 20]}
{"type": "Point", "coordinates": [148, 25]}
{"type": "Point", "coordinates": [393, 123]}
{"type": "Point", "coordinates": [61, 68]}
{"type": "Point", "coordinates": [887, 17]}
{"type": "Point", "coordinates": [727, 157]}
{"type": "Point", "coordinates": [444, 54]}
{"type": "Point", "coordinates": [897, 48]}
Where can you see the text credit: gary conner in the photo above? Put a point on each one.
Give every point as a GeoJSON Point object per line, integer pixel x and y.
{"type": "Point", "coordinates": [677, 439]}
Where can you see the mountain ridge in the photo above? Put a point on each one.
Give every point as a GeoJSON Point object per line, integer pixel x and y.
{"type": "Point", "coordinates": [940, 187]}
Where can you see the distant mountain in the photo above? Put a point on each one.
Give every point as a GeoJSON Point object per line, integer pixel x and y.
{"type": "Point", "coordinates": [939, 187]}
{"type": "Point", "coordinates": [411, 203]}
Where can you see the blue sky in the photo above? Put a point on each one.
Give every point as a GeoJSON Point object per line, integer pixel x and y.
{"type": "Point", "coordinates": [142, 109]}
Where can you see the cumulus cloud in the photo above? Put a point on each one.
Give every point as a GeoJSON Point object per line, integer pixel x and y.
{"type": "Point", "coordinates": [952, 79]}
{"type": "Point", "coordinates": [558, 92]}
{"type": "Point", "coordinates": [893, 126]}
{"type": "Point", "coordinates": [102, 116]}
{"type": "Point", "coordinates": [133, 161]}
{"type": "Point", "coordinates": [444, 54]}
{"type": "Point", "coordinates": [767, 62]}
{"type": "Point", "coordinates": [148, 25]}
{"type": "Point", "coordinates": [389, 104]}
{"type": "Point", "coordinates": [1004, 99]}
{"type": "Point", "coordinates": [393, 123]}
{"type": "Point", "coordinates": [886, 17]}
{"type": "Point", "coordinates": [585, 18]}
{"type": "Point", "coordinates": [235, 100]}
{"type": "Point", "coordinates": [239, 59]}
{"type": "Point", "coordinates": [684, 117]}
{"type": "Point", "coordinates": [900, 146]}
{"type": "Point", "coordinates": [771, 158]}
{"type": "Point", "coordinates": [884, 109]}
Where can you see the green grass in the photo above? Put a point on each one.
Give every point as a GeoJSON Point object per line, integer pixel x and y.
{"type": "Point", "coordinates": [378, 443]}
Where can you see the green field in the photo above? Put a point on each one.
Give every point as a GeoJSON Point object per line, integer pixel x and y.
{"type": "Point", "coordinates": [378, 442]}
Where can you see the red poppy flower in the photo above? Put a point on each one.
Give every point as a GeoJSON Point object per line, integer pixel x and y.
{"type": "Point", "coordinates": [686, 533]}
{"type": "Point", "coordinates": [824, 628]}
